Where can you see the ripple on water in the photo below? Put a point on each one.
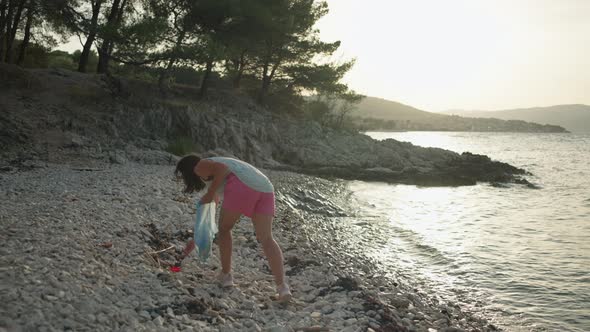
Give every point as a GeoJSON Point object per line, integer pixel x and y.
{"type": "Point", "coordinates": [519, 253]}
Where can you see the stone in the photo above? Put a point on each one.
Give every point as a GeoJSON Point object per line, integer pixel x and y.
{"type": "Point", "coordinates": [451, 329]}
{"type": "Point", "coordinates": [170, 312]}
{"type": "Point", "coordinates": [122, 289]}
{"type": "Point", "coordinates": [145, 315]}
{"type": "Point", "coordinates": [327, 310]}
{"type": "Point", "coordinates": [102, 318]}
{"type": "Point", "coordinates": [276, 329]}
{"type": "Point", "coordinates": [374, 326]}
{"type": "Point", "coordinates": [159, 321]}
{"type": "Point", "coordinates": [400, 302]}
{"type": "Point", "coordinates": [351, 329]}
{"type": "Point", "coordinates": [118, 157]}
{"type": "Point", "coordinates": [406, 322]}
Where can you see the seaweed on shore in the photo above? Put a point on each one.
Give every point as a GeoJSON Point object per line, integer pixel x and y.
{"type": "Point", "coordinates": [160, 242]}
{"type": "Point", "coordinates": [390, 321]}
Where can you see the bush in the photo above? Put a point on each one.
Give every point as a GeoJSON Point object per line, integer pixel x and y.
{"type": "Point", "coordinates": [61, 61]}
{"type": "Point", "coordinates": [92, 60]}
{"type": "Point", "coordinates": [181, 146]}
{"type": "Point", "coordinates": [36, 56]}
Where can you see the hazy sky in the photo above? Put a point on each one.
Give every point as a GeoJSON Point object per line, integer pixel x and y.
{"type": "Point", "coordinates": [468, 54]}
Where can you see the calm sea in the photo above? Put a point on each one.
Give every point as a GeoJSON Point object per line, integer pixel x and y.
{"type": "Point", "coordinates": [519, 256]}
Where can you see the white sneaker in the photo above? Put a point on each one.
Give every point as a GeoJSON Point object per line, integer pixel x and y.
{"type": "Point", "coordinates": [284, 293]}
{"type": "Point", "coordinates": [226, 280]}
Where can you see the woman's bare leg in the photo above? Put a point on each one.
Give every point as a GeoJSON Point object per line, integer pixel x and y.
{"type": "Point", "coordinates": [263, 227]}
{"type": "Point", "coordinates": [227, 220]}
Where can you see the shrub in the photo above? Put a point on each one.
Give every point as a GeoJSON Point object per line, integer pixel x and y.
{"type": "Point", "coordinates": [181, 146]}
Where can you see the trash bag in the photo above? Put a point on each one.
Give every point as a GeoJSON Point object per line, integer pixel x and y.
{"type": "Point", "coordinates": [205, 229]}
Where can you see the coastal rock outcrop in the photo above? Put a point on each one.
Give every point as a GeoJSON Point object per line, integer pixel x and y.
{"type": "Point", "coordinates": [81, 115]}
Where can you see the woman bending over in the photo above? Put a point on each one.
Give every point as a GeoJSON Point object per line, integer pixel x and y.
{"type": "Point", "coordinates": [245, 191]}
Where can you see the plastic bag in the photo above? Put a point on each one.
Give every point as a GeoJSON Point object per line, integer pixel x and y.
{"type": "Point", "coordinates": [205, 229]}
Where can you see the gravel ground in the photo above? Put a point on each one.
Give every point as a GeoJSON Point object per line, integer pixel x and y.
{"type": "Point", "coordinates": [78, 249]}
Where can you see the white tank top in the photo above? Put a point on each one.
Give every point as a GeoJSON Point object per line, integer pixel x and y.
{"type": "Point", "coordinates": [248, 174]}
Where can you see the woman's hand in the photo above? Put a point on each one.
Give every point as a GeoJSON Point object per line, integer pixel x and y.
{"type": "Point", "coordinates": [207, 198]}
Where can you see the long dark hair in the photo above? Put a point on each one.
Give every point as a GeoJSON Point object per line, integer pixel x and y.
{"type": "Point", "coordinates": [185, 168]}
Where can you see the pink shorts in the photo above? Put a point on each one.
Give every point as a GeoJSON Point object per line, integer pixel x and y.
{"type": "Point", "coordinates": [238, 197]}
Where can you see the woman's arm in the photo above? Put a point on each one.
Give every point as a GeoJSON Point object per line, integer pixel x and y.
{"type": "Point", "coordinates": [218, 171]}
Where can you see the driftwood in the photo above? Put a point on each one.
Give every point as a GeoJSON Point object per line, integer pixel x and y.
{"type": "Point", "coordinates": [159, 251]}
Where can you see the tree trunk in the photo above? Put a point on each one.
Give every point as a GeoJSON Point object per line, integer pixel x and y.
{"type": "Point", "coordinates": [266, 80]}
{"type": "Point", "coordinates": [11, 31]}
{"type": "Point", "coordinates": [205, 81]}
{"type": "Point", "coordinates": [265, 83]}
{"type": "Point", "coordinates": [264, 89]}
{"type": "Point", "coordinates": [165, 74]}
{"type": "Point", "coordinates": [91, 36]}
{"type": "Point", "coordinates": [240, 64]}
{"type": "Point", "coordinates": [3, 5]}
{"type": "Point", "coordinates": [104, 51]}
{"type": "Point", "coordinates": [5, 31]}
{"type": "Point", "coordinates": [3, 19]}
{"type": "Point", "coordinates": [27, 37]}
{"type": "Point", "coordinates": [162, 84]}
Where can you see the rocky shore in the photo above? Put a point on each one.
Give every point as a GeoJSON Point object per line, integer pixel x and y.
{"type": "Point", "coordinates": [92, 216]}
{"type": "Point", "coordinates": [85, 248]}
{"type": "Point", "coordinates": [56, 115]}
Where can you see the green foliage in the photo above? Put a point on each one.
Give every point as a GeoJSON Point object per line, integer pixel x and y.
{"type": "Point", "coordinates": [333, 110]}
{"type": "Point", "coordinates": [143, 41]}
{"type": "Point", "coordinates": [147, 74]}
{"type": "Point", "coordinates": [60, 59]}
{"type": "Point", "coordinates": [291, 46]}
{"type": "Point", "coordinates": [36, 56]}
{"type": "Point", "coordinates": [319, 110]}
{"type": "Point", "coordinates": [267, 48]}
{"type": "Point", "coordinates": [186, 75]}
{"type": "Point", "coordinates": [92, 59]}
{"type": "Point", "coordinates": [181, 146]}
{"type": "Point", "coordinates": [286, 101]}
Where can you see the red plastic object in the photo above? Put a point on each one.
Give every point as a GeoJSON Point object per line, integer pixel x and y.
{"type": "Point", "coordinates": [175, 268]}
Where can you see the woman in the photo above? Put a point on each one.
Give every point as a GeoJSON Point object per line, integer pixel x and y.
{"type": "Point", "coordinates": [246, 191]}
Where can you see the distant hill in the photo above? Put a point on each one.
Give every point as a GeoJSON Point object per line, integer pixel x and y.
{"type": "Point", "coordinates": [381, 114]}
{"type": "Point", "coordinates": [372, 107]}
{"type": "Point", "coordinates": [574, 118]}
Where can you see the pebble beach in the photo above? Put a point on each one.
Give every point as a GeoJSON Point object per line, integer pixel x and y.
{"type": "Point", "coordinates": [88, 249]}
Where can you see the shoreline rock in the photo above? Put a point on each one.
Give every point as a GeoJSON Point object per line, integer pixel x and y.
{"type": "Point", "coordinates": [464, 170]}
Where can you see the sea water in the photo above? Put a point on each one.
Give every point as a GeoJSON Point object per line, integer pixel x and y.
{"type": "Point", "coordinates": [518, 256]}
